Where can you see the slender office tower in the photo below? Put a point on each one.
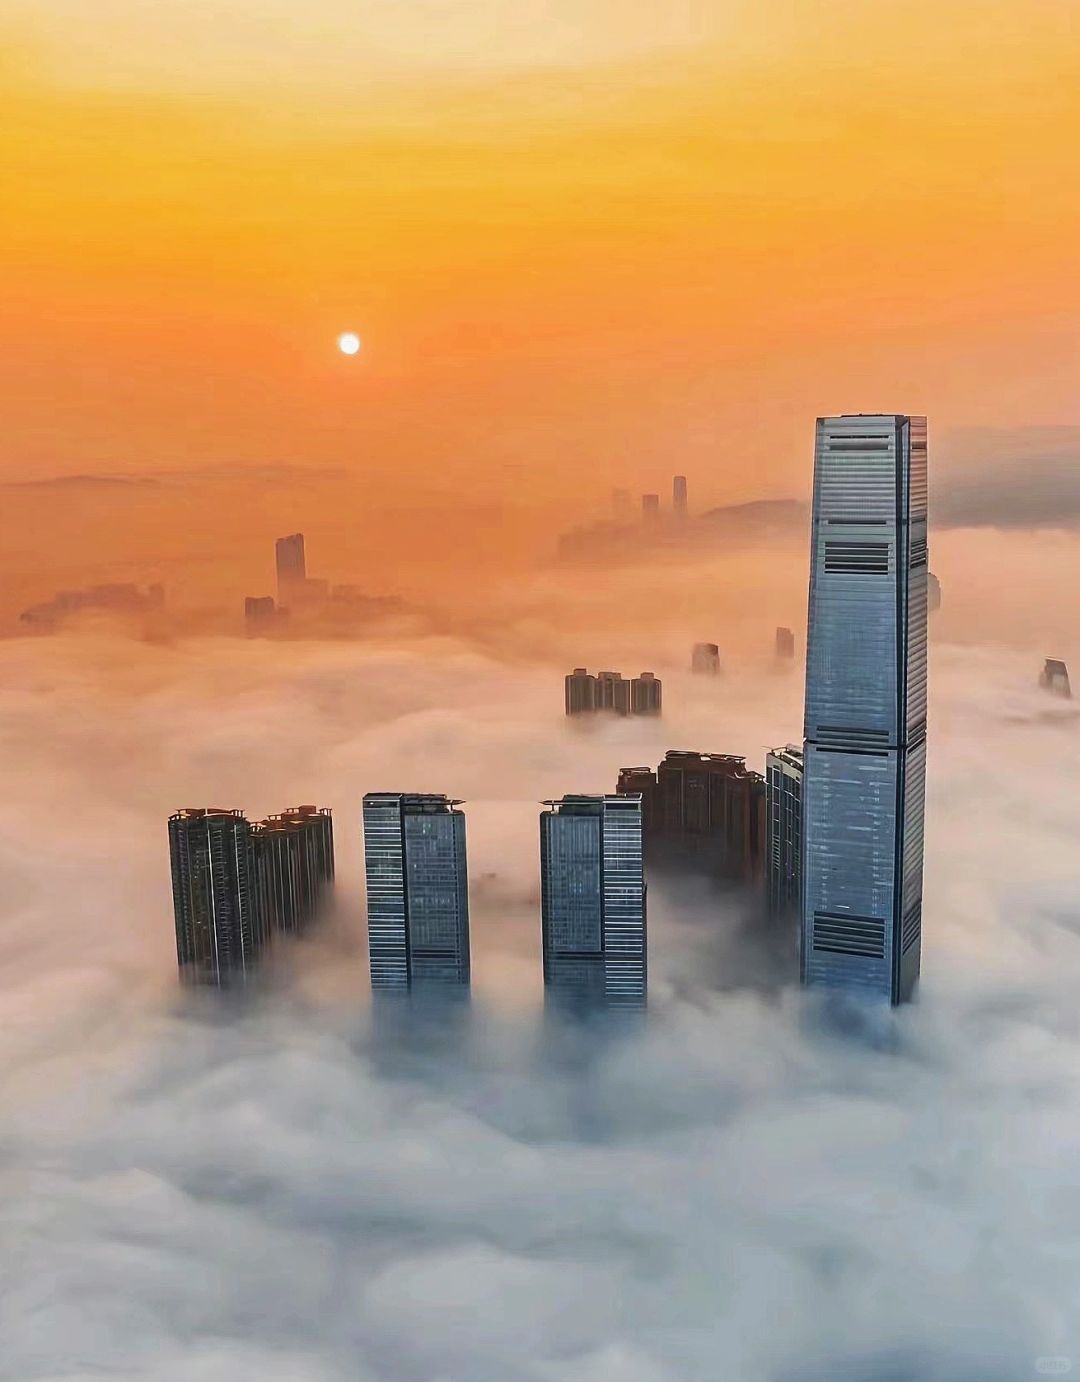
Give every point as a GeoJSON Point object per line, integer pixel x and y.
{"type": "Point", "coordinates": [650, 508]}
{"type": "Point", "coordinates": [291, 567]}
{"type": "Point", "coordinates": [220, 928]}
{"type": "Point", "coordinates": [592, 889]}
{"type": "Point", "coordinates": [865, 728]}
{"type": "Point", "coordinates": [678, 497]}
{"type": "Point", "coordinates": [417, 890]}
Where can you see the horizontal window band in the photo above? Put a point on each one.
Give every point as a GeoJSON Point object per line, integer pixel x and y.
{"type": "Point", "coordinates": [844, 950]}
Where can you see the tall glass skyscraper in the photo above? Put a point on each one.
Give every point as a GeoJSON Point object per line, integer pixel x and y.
{"type": "Point", "coordinates": [865, 726]}
{"type": "Point", "coordinates": [417, 890]}
{"type": "Point", "coordinates": [592, 889]}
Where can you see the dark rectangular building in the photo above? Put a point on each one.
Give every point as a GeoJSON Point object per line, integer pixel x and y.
{"type": "Point", "coordinates": [705, 810]}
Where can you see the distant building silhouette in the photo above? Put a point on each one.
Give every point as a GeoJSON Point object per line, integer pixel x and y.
{"type": "Point", "coordinates": [783, 797]}
{"type": "Point", "coordinates": [593, 911]}
{"type": "Point", "coordinates": [650, 508]}
{"type": "Point", "coordinates": [291, 567]}
{"type": "Point", "coordinates": [586, 694]}
{"type": "Point", "coordinates": [621, 507]}
{"type": "Point", "coordinates": [865, 723]}
{"type": "Point", "coordinates": [785, 644]}
{"type": "Point", "coordinates": [417, 890]}
{"type": "Point", "coordinates": [703, 810]}
{"type": "Point", "coordinates": [260, 614]}
{"type": "Point", "coordinates": [679, 497]}
{"type": "Point", "coordinates": [220, 930]}
{"type": "Point", "coordinates": [613, 692]}
{"type": "Point", "coordinates": [705, 660]}
{"type": "Point", "coordinates": [933, 592]}
{"type": "Point", "coordinates": [1055, 678]}
{"type": "Point", "coordinates": [580, 692]}
{"type": "Point", "coordinates": [123, 598]}
{"type": "Point", "coordinates": [646, 694]}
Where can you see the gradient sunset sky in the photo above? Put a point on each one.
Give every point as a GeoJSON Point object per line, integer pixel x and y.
{"type": "Point", "coordinates": [596, 238]}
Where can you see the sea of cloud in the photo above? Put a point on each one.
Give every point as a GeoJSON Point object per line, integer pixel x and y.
{"type": "Point", "coordinates": [308, 1189]}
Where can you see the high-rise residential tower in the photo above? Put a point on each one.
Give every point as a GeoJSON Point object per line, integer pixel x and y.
{"type": "Point", "coordinates": [295, 856]}
{"type": "Point", "coordinates": [417, 890]}
{"type": "Point", "coordinates": [646, 694]}
{"type": "Point", "coordinates": [237, 884]}
{"type": "Point", "coordinates": [592, 888]}
{"type": "Point", "coordinates": [703, 811]}
{"type": "Point", "coordinates": [580, 692]}
{"type": "Point", "coordinates": [291, 567]}
{"type": "Point", "coordinates": [783, 813]}
{"type": "Point", "coordinates": [865, 723]}
{"type": "Point", "coordinates": [613, 692]}
{"type": "Point", "coordinates": [220, 927]}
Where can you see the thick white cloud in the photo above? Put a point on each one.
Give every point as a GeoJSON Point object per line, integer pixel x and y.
{"type": "Point", "coordinates": [306, 1190]}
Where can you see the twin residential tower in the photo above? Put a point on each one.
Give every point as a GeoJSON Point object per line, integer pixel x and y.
{"type": "Point", "coordinates": [592, 891]}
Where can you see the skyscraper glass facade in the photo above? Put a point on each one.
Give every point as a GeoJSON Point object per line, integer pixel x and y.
{"type": "Point", "coordinates": [865, 723]}
{"type": "Point", "coordinates": [593, 900]}
{"type": "Point", "coordinates": [417, 890]}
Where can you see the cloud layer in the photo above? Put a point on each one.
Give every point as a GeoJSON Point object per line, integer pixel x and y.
{"type": "Point", "coordinates": [307, 1189]}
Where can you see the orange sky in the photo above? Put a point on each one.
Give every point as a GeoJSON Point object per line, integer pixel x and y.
{"type": "Point", "coordinates": [586, 241]}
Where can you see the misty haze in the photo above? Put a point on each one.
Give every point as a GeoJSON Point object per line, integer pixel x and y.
{"type": "Point", "coordinates": [539, 551]}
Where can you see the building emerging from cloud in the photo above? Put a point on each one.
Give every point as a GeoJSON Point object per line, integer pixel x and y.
{"type": "Point", "coordinates": [704, 811]}
{"type": "Point", "coordinates": [592, 889]}
{"type": "Point", "coordinates": [417, 890]}
{"type": "Point", "coordinates": [865, 723]}
{"type": "Point", "coordinates": [1054, 677]}
{"type": "Point", "coordinates": [783, 810]}
{"type": "Point", "coordinates": [586, 694]}
{"type": "Point", "coordinates": [236, 885]}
